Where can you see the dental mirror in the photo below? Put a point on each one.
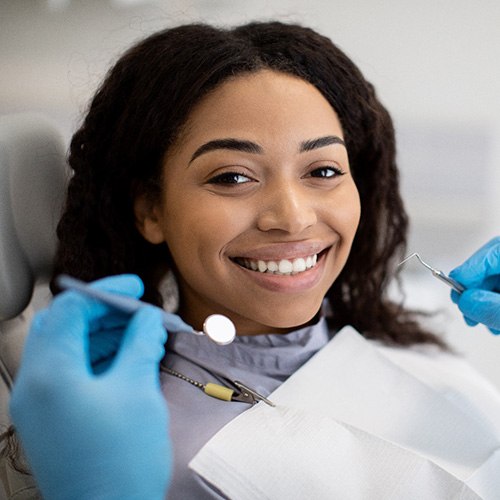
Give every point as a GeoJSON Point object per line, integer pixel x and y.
{"type": "Point", "coordinates": [219, 328]}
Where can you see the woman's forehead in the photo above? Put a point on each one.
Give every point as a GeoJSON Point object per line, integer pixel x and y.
{"type": "Point", "coordinates": [262, 106]}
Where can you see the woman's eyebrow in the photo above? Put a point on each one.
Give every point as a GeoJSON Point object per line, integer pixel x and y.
{"type": "Point", "coordinates": [229, 143]}
{"type": "Point", "coordinates": [252, 147]}
{"type": "Point", "coordinates": [320, 142]}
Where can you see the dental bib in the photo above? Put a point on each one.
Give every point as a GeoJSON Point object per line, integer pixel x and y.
{"type": "Point", "coordinates": [362, 421]}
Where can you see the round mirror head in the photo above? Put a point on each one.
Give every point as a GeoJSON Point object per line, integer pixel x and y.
{"type": "Point", "coordinates": [220, 329]}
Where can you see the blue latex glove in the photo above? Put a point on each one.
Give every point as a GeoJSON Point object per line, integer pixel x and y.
{"type": "Point", "coordinates": [480, 274]}
{"type": "Point", "coordinates": [89, 436]}
{"type": "Point", "coordinates": [106, 333]}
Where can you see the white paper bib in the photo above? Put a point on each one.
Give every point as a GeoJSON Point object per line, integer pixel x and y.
{"type": "Point", "coordinates": [353, 424]}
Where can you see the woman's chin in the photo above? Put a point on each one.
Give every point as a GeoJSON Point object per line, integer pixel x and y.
{"type": "Point", "coordinates": [280, 323]}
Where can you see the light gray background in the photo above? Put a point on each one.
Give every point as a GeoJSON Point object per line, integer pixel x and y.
{"type": "Point", "coordinates": [436, 65]}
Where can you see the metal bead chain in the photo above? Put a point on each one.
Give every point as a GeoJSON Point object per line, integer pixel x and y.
{"type": "Point", "coordinates": [182, 377]}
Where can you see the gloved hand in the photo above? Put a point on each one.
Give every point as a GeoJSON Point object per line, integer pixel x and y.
{"type": "Point", "coordinates": [480, 274]}
{"type": "Point", "coordinates": [106, 334]}
{"type": "Point", "coordinates": [92, 436]}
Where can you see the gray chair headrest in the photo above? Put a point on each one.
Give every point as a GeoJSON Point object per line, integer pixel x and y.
{"type": "Point", "coordinates": [33, 179]}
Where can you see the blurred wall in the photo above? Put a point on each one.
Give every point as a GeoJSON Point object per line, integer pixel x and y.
{"type": "Point", "coordinates": [436, 66]}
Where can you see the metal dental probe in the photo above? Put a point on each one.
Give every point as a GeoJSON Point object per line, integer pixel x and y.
{"type": "Point", "coordinates": [437, 273]}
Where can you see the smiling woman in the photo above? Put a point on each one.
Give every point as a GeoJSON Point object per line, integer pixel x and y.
{"type": "Point", "coordinates": [276, 192]}
{"type": "Point", "coordinates": [257, 167]}
{"type": "Point", "coordinates": [247, 110]}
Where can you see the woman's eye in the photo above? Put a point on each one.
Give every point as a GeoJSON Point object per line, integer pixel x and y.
{"type": "Point", "coordinates": [230, 178]}
{"type": "Point", "coordinates": [326, 172]}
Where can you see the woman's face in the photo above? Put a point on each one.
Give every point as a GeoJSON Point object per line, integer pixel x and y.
{"type": "Point", "coordinates": [259, 207]}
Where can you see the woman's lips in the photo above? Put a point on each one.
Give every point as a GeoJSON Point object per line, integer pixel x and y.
{"type": "Point", "coordinates": [279, 275]}
{"type": "Point", "coordinates": [283, 250]}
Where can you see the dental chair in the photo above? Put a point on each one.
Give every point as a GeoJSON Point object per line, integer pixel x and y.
{"type": "Point", "coordinates": [33, 178]}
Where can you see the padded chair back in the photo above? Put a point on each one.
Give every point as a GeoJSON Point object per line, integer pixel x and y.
{"type": "Point", "coordinates": [33, 178]}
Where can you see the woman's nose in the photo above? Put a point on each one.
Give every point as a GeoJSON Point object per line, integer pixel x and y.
{"type": "Point", "coordinates": [287, 208]}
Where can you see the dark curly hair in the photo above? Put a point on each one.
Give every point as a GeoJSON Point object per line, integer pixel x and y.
{"type": "Point", "coordinates": [137, 115]}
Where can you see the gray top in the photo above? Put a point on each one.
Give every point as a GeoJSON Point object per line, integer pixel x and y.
{"type": "Point", "coordinates": [261, 362]}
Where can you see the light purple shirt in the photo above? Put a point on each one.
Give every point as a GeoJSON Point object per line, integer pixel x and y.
{"type": "Point", "coordinates": [262, 362]}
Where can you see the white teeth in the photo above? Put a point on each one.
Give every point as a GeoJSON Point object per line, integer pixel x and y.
{"type": "Point", "coordinates": [272, 266]}
{"type": "Point", "coordinates": [299, 265]}
{"type": "Point", "coordinates": [284, 266]}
